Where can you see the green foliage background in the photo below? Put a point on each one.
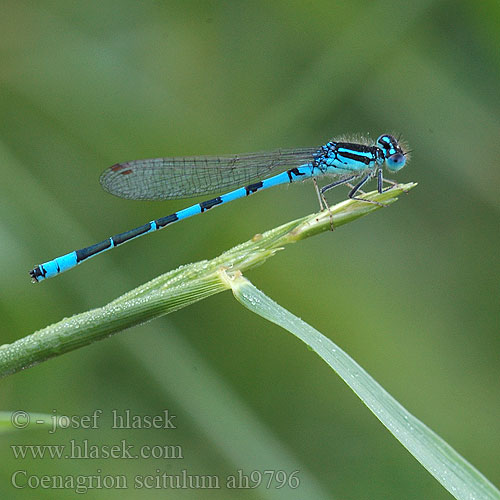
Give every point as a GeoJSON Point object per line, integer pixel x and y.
{"type": "Point", "coordinates": [84, 85]}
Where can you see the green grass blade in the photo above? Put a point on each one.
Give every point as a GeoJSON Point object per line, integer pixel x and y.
{"type": "Point", "coordinates": [459, 477]}
{"type": "Point", "coordinates": [179, 288]}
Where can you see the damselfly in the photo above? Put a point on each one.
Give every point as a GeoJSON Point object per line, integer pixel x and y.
{"type": "Point", "coordinates": [184, 177]}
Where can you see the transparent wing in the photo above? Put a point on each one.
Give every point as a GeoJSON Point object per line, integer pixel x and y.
{"type": "Point", "coordinates": [171, 178]}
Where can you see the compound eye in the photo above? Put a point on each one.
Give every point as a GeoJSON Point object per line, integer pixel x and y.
{"type": "Point", "coordinates": [396, 162]}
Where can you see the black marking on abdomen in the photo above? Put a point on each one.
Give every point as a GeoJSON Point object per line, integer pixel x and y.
{"type": "Point", "coordinates": [37, 272]}
{"type": "Point", "coordinates": [133, 233]}
{"type": "Point", "coordinates": [166, 220]}
{"type": "Point", "coordinates": [85, 253]}
{"type": "Point", "coordinates": [207, 205]}
{"type": "Point", "coordinates": [253, 188]}
{"type": "Point", "coordinates": [292, 172]}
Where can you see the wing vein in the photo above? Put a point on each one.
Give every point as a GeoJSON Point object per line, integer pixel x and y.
{"type": "Point", "coordinates": [184, 177]}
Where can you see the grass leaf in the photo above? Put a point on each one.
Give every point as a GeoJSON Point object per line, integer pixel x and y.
{"type": "Point", "coordinates": [457, 475]}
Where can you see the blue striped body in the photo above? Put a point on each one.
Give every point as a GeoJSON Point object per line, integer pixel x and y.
{"type": "Point", "coordinates": [167, 178]}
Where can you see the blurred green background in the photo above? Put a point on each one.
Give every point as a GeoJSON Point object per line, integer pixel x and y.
{"type": "Point", "coordinates": [411, 292]}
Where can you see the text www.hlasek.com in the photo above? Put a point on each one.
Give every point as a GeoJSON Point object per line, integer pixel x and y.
{"type": "Point", "coordinates": [85, 449]}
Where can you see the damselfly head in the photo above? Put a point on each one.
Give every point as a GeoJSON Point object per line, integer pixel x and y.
{"type": "Point", "coordinates": [395, 157]}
